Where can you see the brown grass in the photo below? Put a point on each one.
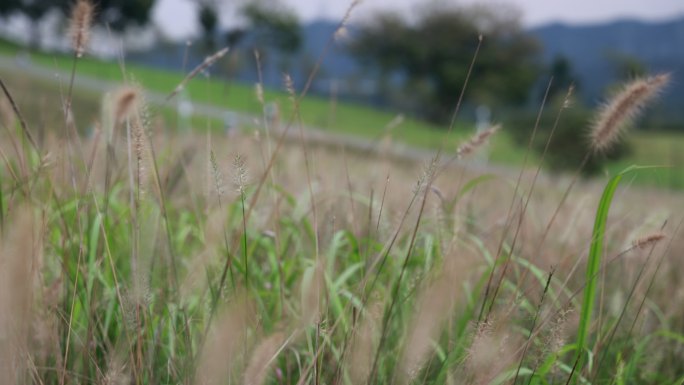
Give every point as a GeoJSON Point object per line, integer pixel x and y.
{"type": "Point", "coordinates": [262, 359]}
{"type": "Point", "coordinates": [19, 277]}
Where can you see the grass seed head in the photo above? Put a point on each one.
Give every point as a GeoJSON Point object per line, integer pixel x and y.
{"type": "Point", "coordinates": [477, 141]}
{"type": "Point", "coordinates": [648, 240]}
{"type": "Point", "coordinates": [126, 101]}
{"type": "Point", "coordinates": [19, 252]}
{"type": "Point", "coordinates": [434, 306]}
{"type": "Point", "coordinates": [313, 292]}
{"type": "Point", "coordinates": [364, 342]}
{"type": "Point", "coordinates": [623, 109]}
{"type": "Point", "coordinates": [216, 174]}
{"type": "Point", "coordinates": [259, 91]}
{"type": "Point", "coordinates": [289, 86]}
{"type": "Point", "coordinates": [79, 25]}
{"type": "Point", "coordinates": [262, 358]}
{"type": "Point", "coordinates": [224, 343]}
{"type": "Point", "coordinates": [240, 176]}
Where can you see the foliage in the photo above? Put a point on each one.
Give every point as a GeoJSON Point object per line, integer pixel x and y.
{"type": "Point", "coordinates": [208, 20]}
{"type": "Point", "coordinates": [8, 6]}
{"type": "Point", "coordinates": [561, 71]}
{"type": "Point", "coordinates": [118, 14]}
{"type": "Point", "coordinates": [273, 26]}
{"type": "Point", "coordinates": [569, 145]}
{"type": "Point", "coordinates": [121, 14]}
{"type": "Point", "coordinates": [433, 53]}
{"type": "Point", "coordinates": [626, 66]}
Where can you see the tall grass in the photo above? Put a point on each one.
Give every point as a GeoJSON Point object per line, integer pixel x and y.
{"type": "Point", "coordinates": [131, 259]}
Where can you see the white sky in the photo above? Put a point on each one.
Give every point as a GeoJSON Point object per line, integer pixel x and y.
{"type": "Point", "coordinates": [177, 18]}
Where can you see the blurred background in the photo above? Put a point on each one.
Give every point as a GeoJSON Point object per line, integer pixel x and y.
{"type": "Point", "coordinates": [406, 59]}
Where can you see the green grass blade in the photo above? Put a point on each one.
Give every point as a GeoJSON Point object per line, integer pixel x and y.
{"type": "Point", "coordinates": [594, 260]}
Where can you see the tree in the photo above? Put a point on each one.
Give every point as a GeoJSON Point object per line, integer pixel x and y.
{"type": "Point", "coordinates": [8, 6]}
{"type": "Point", "coordinates": [563, 77]}
{"type": "Point", "coordinates": [34, 10]}
{"type": "Point", "coordinates": [121, 14]}
{"type": "Point", "coordinates": [208, 20]}
{"type": "Point", "coordinates": [117, 14]}
{"type": "Point", "coordinates": [433, 53]}
{"type": "Point", "coordinates": [569, 144]}
{"type": "Point", "coordinates": [626, 67]}
{"type": "Point", "coordinates": [275, 27]}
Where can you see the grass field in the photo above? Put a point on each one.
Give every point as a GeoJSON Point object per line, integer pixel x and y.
{"type": "Point", "coordinates": [144, 254]}
{"type": "Point", "coordinates": [652, 148]}
{"type": "Point", "coordinates": [349, 118]}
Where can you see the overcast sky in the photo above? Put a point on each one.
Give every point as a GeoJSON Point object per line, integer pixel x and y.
{"type": "Point", "coordinates": [177, 18]}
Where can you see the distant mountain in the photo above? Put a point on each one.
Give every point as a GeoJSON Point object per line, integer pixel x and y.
{"type": "Point", "coordinates": [336, 63]}
{"type": "Point", "coordinates": [594, 50]}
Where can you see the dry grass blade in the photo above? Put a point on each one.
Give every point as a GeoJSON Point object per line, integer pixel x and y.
{"type": "Point", "coordinates": [623, 108]}
{"type": "Point", "coordinates": [22, 122]}
{"type": "Point", "coordinates": [208, 62]}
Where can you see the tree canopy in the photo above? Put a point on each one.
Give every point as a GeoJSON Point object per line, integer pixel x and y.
{"type": "Point", "coordinates": [209, 21]}
{"type": "Point", "coordinates": [274, 27]}
{"type": "Point", "coordinates": [118, 14]}
{"type": "Point", "coordinates": [432, 52]}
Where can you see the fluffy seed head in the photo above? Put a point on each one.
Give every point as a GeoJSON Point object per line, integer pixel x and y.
{"type": "Point", "coordinates": [341, 32]}
{"type": "Point", "coordinates": [126, 101]}
{"type": "Point", "coordinates": [239, 174]}
{"type": "Point", "coordinates": [313, 292]}
{"type": "Point", "coordinates": [262, 358]}
{"type": "Point", "coordinates": [259, 91]}
{"type": "Point", "coordinates": [648, 240]}
{"type": "Point", "coordinates": [624, 108]}
{"type": "Point", "coordinates": [289, 86]}
{"type": "Point", "coordinates": [225, 339]}
{"type": "Point", "coordinates": [79, 25]}
{"type": "Point", "coordinates": [20, 250]}
{"type": "Point", "coordinates": [476, 141]}
{"type": "Point", "coordinates": [140, 145]}
{"type": "Point", "coordinates": [217, 174]}
{"type": "Point", "coordinates": [208, 62]}
{"type": "Point", "coordinates": [364, 342]}
{"type": "Point", "coordinates": [433, 308]}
